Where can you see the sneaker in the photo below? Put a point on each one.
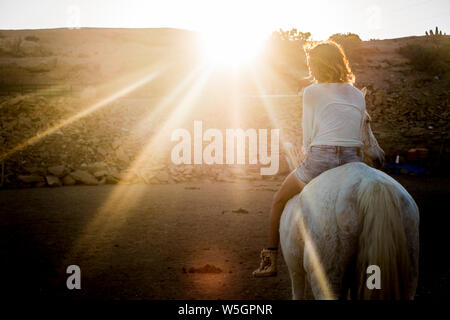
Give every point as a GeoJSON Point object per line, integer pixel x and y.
{"type": "Point", "coordinates": [268, 266]}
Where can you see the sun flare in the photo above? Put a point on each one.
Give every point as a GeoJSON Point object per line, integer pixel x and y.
{"type": "Point", "coordinates": [231, 47]}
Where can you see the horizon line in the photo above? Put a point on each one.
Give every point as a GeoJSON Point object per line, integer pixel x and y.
{"type": "Point", "coordinates": [185, 30]}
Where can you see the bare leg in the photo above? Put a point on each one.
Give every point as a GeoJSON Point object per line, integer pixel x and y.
{"type": "Point", "coordinates": [289, 188]}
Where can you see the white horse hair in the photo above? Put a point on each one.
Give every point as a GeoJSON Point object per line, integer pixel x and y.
{"type": "Point", "coordinates": [345, 220]}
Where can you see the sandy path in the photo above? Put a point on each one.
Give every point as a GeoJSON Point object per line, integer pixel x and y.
{"type": "Point", "coordinates": [137, 248]}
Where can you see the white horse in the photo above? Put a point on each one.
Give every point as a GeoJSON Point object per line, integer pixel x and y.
{"type": "Point", "coordinates": [345, 221]}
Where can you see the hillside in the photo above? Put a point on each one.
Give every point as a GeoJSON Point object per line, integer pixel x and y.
{"type": "Point", "coordinates": [47, 76]}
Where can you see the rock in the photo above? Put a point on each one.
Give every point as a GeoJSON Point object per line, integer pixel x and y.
{"type": "Point", "coordinates": [10, 46]}
{"type": "Point", "coordinates": [120, 176]}
{"type": "Point", "coordinates": [415, 131]}
{"type": "Point", "coordinates": [240, 210]}
{"type": "Point", "coordinates": [192, 188]}
{"type": "Point", "coordinates": [176, 178]}
{"type": "Point", "coordinates": [223, 177]}
{"type": "Point", "coordinates": [208, 268]}
{"type": "Point", "coordinates": [68, 180]}
{"type": "Point", "coordinates": [158, 167]}
{"type": "Point", "coordinates": [84, 177]}
{"type": "Point", "coordinates": [30, 48]}
{"type": "Point", "coordinates": [379, 97]}
{"type": "Point", "coordinates": [35, 170]}
{"type": "Point", "coordinates": [121, 155]}
{"type": "Point", "coordinates": [162, 177]}
{"type": "Point", "coordinates": [53, 181]}
{"type": "Point", "coordinates": [237, 171]}
{"type": "Point", "coordinates": [103, 151]}
{"type": "Point", "coordinates": [57, 171]}
{"type": "Point", "coordinates": [130, 176]}
{"type": "Point", "coordinates": [111, 179]}
{"type": "Point", "coordinates": [100, 173]}
{"type": "Point", "coordinates": [146, 175]}
{"type": "Point", "coordinates": [41, 66]}
{"type": "Point", "coordinates": [96, 167]}
{"type": "Point", "coordinates": [115, 144]}
{"type": "Point", "coordinates": [31, 178]}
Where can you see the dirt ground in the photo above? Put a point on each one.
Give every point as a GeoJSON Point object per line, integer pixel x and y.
{"type": "Point", "coordinates": [144, 243]}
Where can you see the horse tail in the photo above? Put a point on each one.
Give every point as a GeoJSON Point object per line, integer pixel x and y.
{"type": "Point", "coordinates": [382, 242]}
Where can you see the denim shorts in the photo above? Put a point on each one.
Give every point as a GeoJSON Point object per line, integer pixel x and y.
{"type": "Point", "coordinates": [322, 158]}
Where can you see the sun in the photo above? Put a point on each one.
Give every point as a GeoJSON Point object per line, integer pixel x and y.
{"type": "Point", "coordinates": [229, 47]}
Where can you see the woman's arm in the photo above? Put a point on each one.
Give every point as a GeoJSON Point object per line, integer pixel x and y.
{"type": "Point", "coordinates": [307, 119]}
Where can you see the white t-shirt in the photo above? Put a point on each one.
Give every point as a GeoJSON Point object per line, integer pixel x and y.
{"type": "Point", "coordinates": [332, 115]}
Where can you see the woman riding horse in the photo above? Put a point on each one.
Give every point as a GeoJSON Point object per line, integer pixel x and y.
{"type": "Point", "coordinates": [333, 113]}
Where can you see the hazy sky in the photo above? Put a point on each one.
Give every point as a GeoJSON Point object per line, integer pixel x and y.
{"type": "Point", "coordinates": [370, 19]}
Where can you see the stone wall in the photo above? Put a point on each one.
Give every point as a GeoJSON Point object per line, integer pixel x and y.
{"type": "Point", "coordinates": [103, 146]}
{"type": "Point", "coordinates": [110, 145]}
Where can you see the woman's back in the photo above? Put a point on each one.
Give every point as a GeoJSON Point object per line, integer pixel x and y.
{"type": "Point", "coordinates": [332, 114]}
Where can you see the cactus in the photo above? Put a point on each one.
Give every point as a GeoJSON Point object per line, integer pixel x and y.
{"type": "Point", "coordinates": [436, 32]}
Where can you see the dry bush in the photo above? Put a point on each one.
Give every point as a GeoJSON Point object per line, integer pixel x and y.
{"type": "Point", "coordinates": [351, 43]}
{"type": "Point", "coordinates": [431, 57]}
{"type": "Point", "coordinates": [284, 52]}
{"type": "Point", "coordinates": [32, 38]}
{"type": "Point", "coordinates": [11, 47]}
{"type": "Point", "coordinates": [348, 41]}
